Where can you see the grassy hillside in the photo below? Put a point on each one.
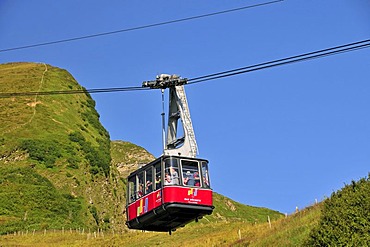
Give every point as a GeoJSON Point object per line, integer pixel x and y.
{"type": "Point", "coordinates": [54, 155]}
{"type": "Point", "coordinates": [341, 220]}
{"type": "Point", "coordinates": [345, 219]}
{"type": "Point", "coordinates": [127, 156]}
{"type": "Point", "coordinates": [285, 232]}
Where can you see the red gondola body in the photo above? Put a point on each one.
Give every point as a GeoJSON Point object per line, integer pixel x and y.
{"type": "Point", "coordinates": [170, 206]}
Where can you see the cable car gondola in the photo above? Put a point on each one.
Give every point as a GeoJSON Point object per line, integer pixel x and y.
{"type": "Point", "coordinates": [174, 189]}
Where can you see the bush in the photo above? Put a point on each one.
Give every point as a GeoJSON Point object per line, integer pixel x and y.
{"type": "Point", "coordinates": [2, 140]}
{"type": "Point", "coordinates": [44, 151]}
{"type": "Point", "coordinates": [76, 137]}
{"type": "Point", "coordinates": [29, 193]}
{"type": "Point", "coordinates": [345, 219]}
{"type": "Point", "coordinates": [94, 170]}
{"type": "Point", "coordinates": [73, 162]}
{"type": "Point", "coordinates": [94, 213]}
{"type": "Point", "coordinates": [97, 157]}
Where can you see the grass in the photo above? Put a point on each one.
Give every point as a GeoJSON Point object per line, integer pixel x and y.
{"type": "Point", "coordinates": [290, 231]}
{"type": "Point", "coordinates": [30, 201]}
{"type": "Point", "coordinates": [229, 210]}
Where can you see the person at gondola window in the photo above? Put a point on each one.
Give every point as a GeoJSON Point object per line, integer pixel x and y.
{"type": "Point", "coordinates": [189, 179]}
{"type": "Point", "coordinates": [174, 176]}
{"type": "Point", "coordinates": [140, 192]}
{"type": "Point", "coordinates": [157, 182]}
{"type": "Point", "coordinates": [205, 175]}
{"type": "Point", "coordinates": [158, 172]}
{"type": "Point", "coordinates": [196, 179]}
{"type": "Point", "coordinates": [167, 179]}
{"type": "Point", "coordinates": [148, 186]}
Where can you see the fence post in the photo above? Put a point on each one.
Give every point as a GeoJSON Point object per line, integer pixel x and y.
{"type": "Point", "coordinates": [268, 218]}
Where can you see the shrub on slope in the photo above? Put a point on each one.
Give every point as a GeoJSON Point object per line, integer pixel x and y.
{"type": "Point", "coordinates": [345, 219]}
{"type": "Point", "coordinates": [30, 201]}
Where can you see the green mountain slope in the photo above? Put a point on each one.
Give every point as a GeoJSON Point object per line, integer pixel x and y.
{"type": "Point", "coordinates": [58, 167]}
{"type": "Point", "coordinates": [54, 155]}
{"type": "Point", "coordinates": [127, 156]}
{"type": "Point", "coordinates": [345, 219]}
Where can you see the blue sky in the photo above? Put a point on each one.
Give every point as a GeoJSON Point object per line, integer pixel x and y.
{"type": "Point", "coordinates": [276, 138]}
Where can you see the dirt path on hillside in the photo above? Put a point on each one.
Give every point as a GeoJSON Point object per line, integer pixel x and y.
{"type": "Point", "coordinates": [32, 104]}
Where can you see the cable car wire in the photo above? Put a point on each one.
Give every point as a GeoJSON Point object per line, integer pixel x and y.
{"type": "Point", "coordinates": [279, 62]}
{"type": "Point", "coordinates": [293, 59]}
{"type": "Point", "coordinates": [81, 91]}
{"type": "Point", "coordinates": [139, 27]}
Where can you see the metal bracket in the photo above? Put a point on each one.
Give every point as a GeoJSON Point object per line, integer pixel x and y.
{"type": "Point", "coordinates": [178, 111]}
{"type": "Point", "coordinates": [165, 81]}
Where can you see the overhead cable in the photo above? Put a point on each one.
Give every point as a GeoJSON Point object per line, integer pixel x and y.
{"type": "Point", "coordinates": [81, 91]}
{"type": "Point", "coordinates": [279, 62]}
{"type": "Point", "coordinates": [139, 27]}
{"type": "Point", "coordinates": [284, 61]}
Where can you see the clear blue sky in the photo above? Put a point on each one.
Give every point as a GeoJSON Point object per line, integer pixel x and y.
{"type": "Point", "coordinates": [276, 138]}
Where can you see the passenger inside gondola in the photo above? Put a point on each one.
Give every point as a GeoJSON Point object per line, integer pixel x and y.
{"type": "Point", "coordinates": [167, 179]}
{"type": "Point", "coordinates": [174, 176]}
{"type": "Point", "coordinates": [189, 179]}
{"type": "Point", "coordinates": [158, 182]}
{"type": "Point", "coordinates": [205, 175]}
{"type": "Point", "coordinates": [149, 180]}
{"type": "Point", "coordinates": [148, 186]}
{"type": "Point", "coordinates": [171, 167]}
{"type": "Point", "coordinates": [158, 179]}
{"type": "Point", "coordinates": [196, 179]}
{"type": "Point", "coordinates": [140, 192]}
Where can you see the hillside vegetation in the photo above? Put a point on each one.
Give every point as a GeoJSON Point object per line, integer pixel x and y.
{"type": "Point", "coordinates": [127, 156]}
{"type": "Point", "coordinates": [54, 155]}
{"type": "Point", "coordinates": [345, 218]}
{"type": "Point", "coordinates": [284, 232]}
{"type": "Point", "coordinates": [341, 220]}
